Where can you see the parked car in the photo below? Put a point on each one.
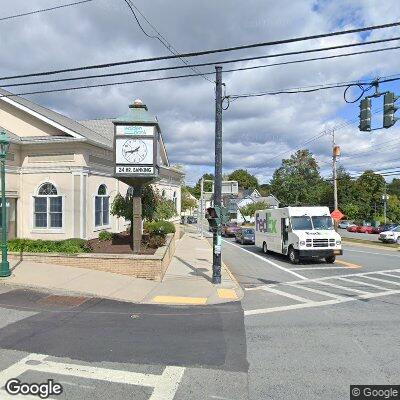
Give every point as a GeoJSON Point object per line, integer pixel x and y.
{"type": "Point", "coordinates": [391, 236]}
{"type": "Point", "coordinates": [345, 224]}
{"type": "Point", "coordinates": [365, 229]}
{"type": "Point", "coordinates": [191, 219]}
{"type": "Point", "coordinates": [383, 228]}
{"type": "Point", "coordinates": [245, 235]}
{"type": "Point", "coordinates": [230, 229]}
{"type": "Point", "coordinates": [352, 228]}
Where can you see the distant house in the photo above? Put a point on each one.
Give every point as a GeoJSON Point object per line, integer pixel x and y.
{"type": "Point", "coordinates": [246, 197]}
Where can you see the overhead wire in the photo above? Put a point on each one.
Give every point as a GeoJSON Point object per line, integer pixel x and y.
{"type": "Point", "coordinates": [42, 10]}
{"type": "Point", "coordinates": [205, 52]}
{"type": "Point", "coordinates": [192, 66]}
{"type": "Point", "coordinates": [159, 36]}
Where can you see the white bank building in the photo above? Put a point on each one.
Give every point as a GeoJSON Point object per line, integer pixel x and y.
{"type": "Point", "coordinates": [60, 172]}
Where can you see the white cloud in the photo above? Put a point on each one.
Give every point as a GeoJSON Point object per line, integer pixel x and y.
{"type": "Point", "coordinates": [256, 130]}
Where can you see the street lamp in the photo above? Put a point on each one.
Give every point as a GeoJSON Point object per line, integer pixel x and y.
{"type": "Point", "coordinates": [4, 146]}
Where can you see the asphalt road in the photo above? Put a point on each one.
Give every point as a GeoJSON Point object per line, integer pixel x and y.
{"type": "Point", "coordinates": [301, 331]}
{"type": "Point", "coordinates": [314, 329]}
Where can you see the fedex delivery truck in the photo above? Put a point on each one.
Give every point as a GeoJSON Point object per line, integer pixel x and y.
{"type": "Point", "coordinates": [298, 232]}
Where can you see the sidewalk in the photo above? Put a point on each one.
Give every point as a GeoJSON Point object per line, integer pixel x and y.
{"type": "Point", "coordinates": [186, 282]}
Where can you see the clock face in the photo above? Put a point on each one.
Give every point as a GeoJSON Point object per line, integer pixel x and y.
{"type": "Point", "coordinates": [134, 150]}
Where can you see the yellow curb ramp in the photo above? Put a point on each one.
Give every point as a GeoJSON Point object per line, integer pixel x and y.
{"type": "Point", "coordinates": [227, 294]}
{"type": "Point", "coordinates": [179, 300]}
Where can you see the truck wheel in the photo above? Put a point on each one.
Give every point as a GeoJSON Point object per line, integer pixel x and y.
{"type": "Point", "coordinates": [330, 259]}
{"type": "Point", "coordinates": [292, 254]}
{"type": "Point", "coordinates": [264, 248]}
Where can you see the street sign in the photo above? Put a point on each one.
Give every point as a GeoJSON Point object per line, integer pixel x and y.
{"type": "Point", "coordinates": [337, 215]}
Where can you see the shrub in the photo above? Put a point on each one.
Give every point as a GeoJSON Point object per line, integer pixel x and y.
{"type": "Point", "coordinates": [105, 235]}
{"type": "Point", "coordinates": [156, 241]}
{"type": "Point", "coordinates": [49, 246]}
{"type": "Point", "coordinates": [159, 227]}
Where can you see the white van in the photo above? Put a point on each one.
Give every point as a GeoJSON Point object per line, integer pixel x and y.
{"type": "Point", "coordinates": [298, 232]}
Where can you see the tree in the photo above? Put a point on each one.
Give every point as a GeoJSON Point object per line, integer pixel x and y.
{"type": "Point", "coordinates": [265, 189]}
{"type": "Point", "coordinates": [122, 207]}
{"type": "Point", "coordinates": [244, 178]}
{"type": "Point", "coordinates": [187, 202]}
{"type": "Point", "coordinates": [394, 187]}
{"type": "Point", "coordinates": [207, 185]}
{"type": "Point", "coordinates": [370, 187]}
{"type": "Point", "coordinates": [298, 182]}
{"type": "Point", "coordinates": [250, 209]}
{"type": "Point", "coordinates": [165, 209]}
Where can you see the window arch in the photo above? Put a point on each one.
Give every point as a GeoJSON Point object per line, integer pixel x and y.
{"type": "Point", "coordinates": [102, 207]}
{"type": "Point", "coordinates": [48, 207]}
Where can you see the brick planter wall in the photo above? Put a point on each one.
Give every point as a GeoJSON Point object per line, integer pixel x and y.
{"type": "Point", "coordinates": [151, 267]}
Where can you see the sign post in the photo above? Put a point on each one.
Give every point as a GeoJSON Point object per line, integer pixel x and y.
{"type": "Point", "coordinates": [136, 158]}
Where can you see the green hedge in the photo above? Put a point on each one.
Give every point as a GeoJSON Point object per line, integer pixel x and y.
{"type": "Point", "coordinates": [105, 235]}
{"type": "Point", "coordinates": [71, 246]}
{"type": "Point", "coordinates": [159, 227]}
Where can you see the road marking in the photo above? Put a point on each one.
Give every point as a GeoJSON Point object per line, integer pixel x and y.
{"type": "Point", "coordinates": [321, 292]}
{"type": "Point", "coordinates": [291, 296]}
{"type": "Point", "coordinates": [347, 264]}
{"type": "Point", "coordinates": [342, 287]}
{"type": "Point", "coordinates": [363, 283]}
{"type": "Point", "coordinates": [227, 294]}
{"type": "Point", "coordinates": [377, 254]}
{"type": "Point", "coordinates": [165, 385]}
{"type": "Point", "coordinates": [318, 303]}
{"type": "Point", "coordinates": [266, 260]}
{"type": "Point", "coordinates": [179, 300]}
{"type": "Point", "coordinates": [313, 268]}
{"type": "Point", "coordinates": [396, 270]}
{"type": "Point", "coordinates": [383, 280]}
{"type": "Point", "coordinates": [391, 275]}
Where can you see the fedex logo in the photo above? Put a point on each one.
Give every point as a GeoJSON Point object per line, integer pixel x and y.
{"type": "Point", "coordinates": [265, 224]}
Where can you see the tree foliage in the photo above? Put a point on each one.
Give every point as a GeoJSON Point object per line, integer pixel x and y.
{"type": "Point", "coordinates": [244, 178]}
{"type": "Point", "coordinates": [187, 202]}
{"type": "Point", "coordinates": [298, 181]}
{"type": "Point", "coordinates": [207, 185]}
{"type": "Point", "coordinates": [250, 209]}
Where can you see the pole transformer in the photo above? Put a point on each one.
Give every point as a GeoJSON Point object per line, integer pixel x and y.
{"type": "Point", "coordinates": [216, 277]}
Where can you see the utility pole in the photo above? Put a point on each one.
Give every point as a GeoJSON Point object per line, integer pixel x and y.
{"type": "Point", "coordinates": [385, 199]}
{"type": "Point", "coordinates": [216, 277]}
{"type": "Point", "coordinates": [335, 153]}
{"type": "Point", "coordinates": [201, 206]}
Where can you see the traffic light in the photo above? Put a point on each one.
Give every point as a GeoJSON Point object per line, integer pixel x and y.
{"type": "Point", "coordinates": [389, 109]}
{"type": "Point", "coordinates": [365, 115]}
{"type": "Point", "coordinates": [217, 216]}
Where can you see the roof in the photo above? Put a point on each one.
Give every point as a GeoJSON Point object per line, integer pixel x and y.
{"type": "Point", "coordinates": [138, 113]}
{"type": "Point", "coordinates": [69, 123]}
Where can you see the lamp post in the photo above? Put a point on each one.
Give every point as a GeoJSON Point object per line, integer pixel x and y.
{"type": "Point", "coordinates": [4, 146]}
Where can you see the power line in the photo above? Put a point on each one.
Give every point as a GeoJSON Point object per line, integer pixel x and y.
{"type": "Point", "coordinates": [192, 66]}
{"type": "Point", "coordinates": [206, 52]}
{"type": "Point", "coordinates": [158, 36]}
{"type": "Point", "coordinates": [44, 10]}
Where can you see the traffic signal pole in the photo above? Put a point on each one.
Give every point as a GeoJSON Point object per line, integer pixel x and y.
{"type": "Point", "coordinates": [216, 277]}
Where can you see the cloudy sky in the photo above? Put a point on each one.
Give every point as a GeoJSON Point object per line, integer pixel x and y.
{"type": "Point", "coordinates": [258, 132]}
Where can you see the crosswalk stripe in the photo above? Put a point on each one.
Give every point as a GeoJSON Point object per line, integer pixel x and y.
{"type": "Point", "coordinates": [363, 283]}
{"type": "Point", "coordinates": [382, 280]}
{"type": "Point", "coordinates": [289, 295]}
{"type": "Point", "coordinates": [327, 294]}
{"type": "Point", "coordinates": [391, 275]}
{"type": "Point", "coordinates": [342, 287]}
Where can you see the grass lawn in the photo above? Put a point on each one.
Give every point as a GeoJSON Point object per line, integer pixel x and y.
{"type": "Point", "coordinates": [354, 240]}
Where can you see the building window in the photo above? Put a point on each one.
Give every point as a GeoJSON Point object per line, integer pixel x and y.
{"type": "Point", "coordinates": [175, 200]}
{"type": "Point", "coordinates": [102, 207]}
{"type": "Point", "coordinates": [48, 208]}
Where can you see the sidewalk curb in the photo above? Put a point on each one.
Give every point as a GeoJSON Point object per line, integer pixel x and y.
{"type": "Point", "coordinates": [238, 287]}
